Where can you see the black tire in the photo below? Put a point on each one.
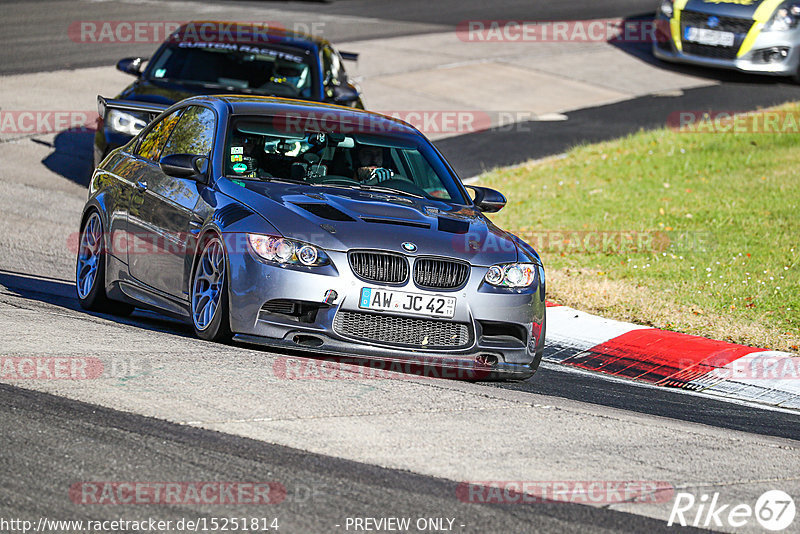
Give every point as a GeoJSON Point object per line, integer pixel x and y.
{"type": "Point", "coordinates": [796, 76]}
{"type": "Point", "coordinates": [92, 293]}
{"type": "Point", "coordinates": [218, 328]}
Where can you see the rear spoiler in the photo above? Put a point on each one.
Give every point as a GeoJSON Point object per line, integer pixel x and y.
{"type": "Point", "coordinates": [349, 56]}
{"type": "Point", "coordinates": [153, 110]}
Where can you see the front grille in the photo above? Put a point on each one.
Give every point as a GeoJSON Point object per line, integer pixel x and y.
{"type": "Point", "coordinates": [379, 267]}
{"type": "Point", "coordinates": [440, 274]}
{"type": "Point", "coordinates": [715, 52]}
{"type": "Point", "coordinates": [403, 331]}
{"type": "Point", "coordinates": [738, 26]}
{"type": "Point", "coordinates": [726, 24]}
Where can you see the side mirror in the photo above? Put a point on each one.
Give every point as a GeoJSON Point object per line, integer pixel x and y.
{"type": "Point", "coordinates": [349, 56]}
{"type": "Point", "coordinates": [185, 166]}
{"type": "Point", "coordinates": [343, 94]}
{"type": "Point", "coordinates": [131, 65]}
{"type": "Point", "coordinates": [488, 200]}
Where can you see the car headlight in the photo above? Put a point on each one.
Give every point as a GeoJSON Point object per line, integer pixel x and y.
{"type": "Point", "coordinates": [124, 123]}
{"type": "Point", "coordinates": [785, 18]}
{"type": "Point", "coordinates": [666, 8]}
{"type": "Point", "coordinates": [511, 275]}
{"type": "Point", "coordinates": [286, 251]}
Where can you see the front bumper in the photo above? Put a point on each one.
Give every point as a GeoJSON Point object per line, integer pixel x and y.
{"type": "Point", "coordinates": [479, 307]}
{"type": "Point", "coordinates": [749, 54]}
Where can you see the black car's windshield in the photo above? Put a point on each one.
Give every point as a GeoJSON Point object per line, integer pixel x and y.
{"type": "Point", "coordinates": [254, 69]}
{"type": "Point", "coordinates": [259, 148]}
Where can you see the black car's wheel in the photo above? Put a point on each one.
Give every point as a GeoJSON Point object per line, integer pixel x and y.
{"type": "Point", "coordinates": [90, 270]}
{"type": "Point", "coordinates": [209, 293]}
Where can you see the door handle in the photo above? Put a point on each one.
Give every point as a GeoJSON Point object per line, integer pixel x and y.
{"type": "Point", "coordinates": [141, 185]}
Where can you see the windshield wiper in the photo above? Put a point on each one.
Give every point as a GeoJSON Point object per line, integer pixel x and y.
{"type": "Point", "coordinates": [383, 189]}
{"type": "Point", "coordinates": [264, 179]}
{"type": "Point", "coordinates": [371, 188]}
{"type": "Point", "coordinates": [210, 85]}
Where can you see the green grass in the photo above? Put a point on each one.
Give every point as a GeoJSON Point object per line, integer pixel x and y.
{"type": "Point", "coordinates": [729, 204]}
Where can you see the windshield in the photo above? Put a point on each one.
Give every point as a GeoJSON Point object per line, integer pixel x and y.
{"type": "Point", "coordinates": [254, 69]}
{"type": "Point", "coordinates": [258, 150]}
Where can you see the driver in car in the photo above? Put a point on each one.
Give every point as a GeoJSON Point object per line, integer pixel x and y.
{"type": "Point", "coordinates": [291, 76]}
{"type": "Point", "coordinates": [371, 168]}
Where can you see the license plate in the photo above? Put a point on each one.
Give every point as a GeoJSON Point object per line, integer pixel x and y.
{"type": "Point", "coordinates": [410, 303]}
{"type": "Point", "coordinates": [708, 37]}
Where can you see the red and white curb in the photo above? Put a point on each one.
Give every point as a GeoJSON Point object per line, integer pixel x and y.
{"type": "Point", "coordinates": [671, 359]}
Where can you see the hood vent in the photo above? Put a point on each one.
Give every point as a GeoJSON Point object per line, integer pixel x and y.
{"type": "Point", "coordinates": [396, 222]}
{"type": "Point", "coordinates": [453, 226]}
{"type": "Point", "coordinates": [325, 211]}
{"type": "Point", "coordinates": [230, 214]}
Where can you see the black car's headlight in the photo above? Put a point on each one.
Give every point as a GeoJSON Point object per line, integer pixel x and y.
{"type": "Point", "coordinates": [515, 275]}
{"type": "Point", "coordinates": [286, 251]}
{"type": "Point", "coordinates": [785, 18]}
{"type": "Point", "coordinates": [666, 8]}
{"type": "Point", "coordinates": [124, 123]}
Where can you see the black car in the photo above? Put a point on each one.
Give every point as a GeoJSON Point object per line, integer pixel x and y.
{"type": "Point", "coordinates": [202, 58]}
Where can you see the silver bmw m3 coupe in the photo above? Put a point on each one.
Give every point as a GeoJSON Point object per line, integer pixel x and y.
{"type": "Point", "coordinates": [310, 227]}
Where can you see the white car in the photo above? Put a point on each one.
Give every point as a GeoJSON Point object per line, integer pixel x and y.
{"type": "Point", "coordinates": [758, 36]}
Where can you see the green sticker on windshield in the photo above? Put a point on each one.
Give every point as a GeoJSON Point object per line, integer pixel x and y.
{"type": "Point", "coordinates": [240, 168]}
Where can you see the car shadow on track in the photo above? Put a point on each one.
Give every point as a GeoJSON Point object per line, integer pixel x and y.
{"type": "Point", "coordinates": [61, 293]}
{"type": "Point", "coordinates": [554, 380]}
{"type": "Point", "coordinates": [72, 155]}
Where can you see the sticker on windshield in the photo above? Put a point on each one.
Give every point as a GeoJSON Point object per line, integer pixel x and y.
{"type": "Point", "coordinates": [240, 168]}
{"type": "Point", "coordinates": [236, 157]}
{"type": "Point", "coordinates": [244, 48]}
{"type": "Point", "coordinates": [237, 150]}
{"type": "Point", "coordinates": [159, 73]}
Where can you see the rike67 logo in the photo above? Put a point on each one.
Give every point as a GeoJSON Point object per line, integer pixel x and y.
{"type": "Point", "coordinates": [774, 511]}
